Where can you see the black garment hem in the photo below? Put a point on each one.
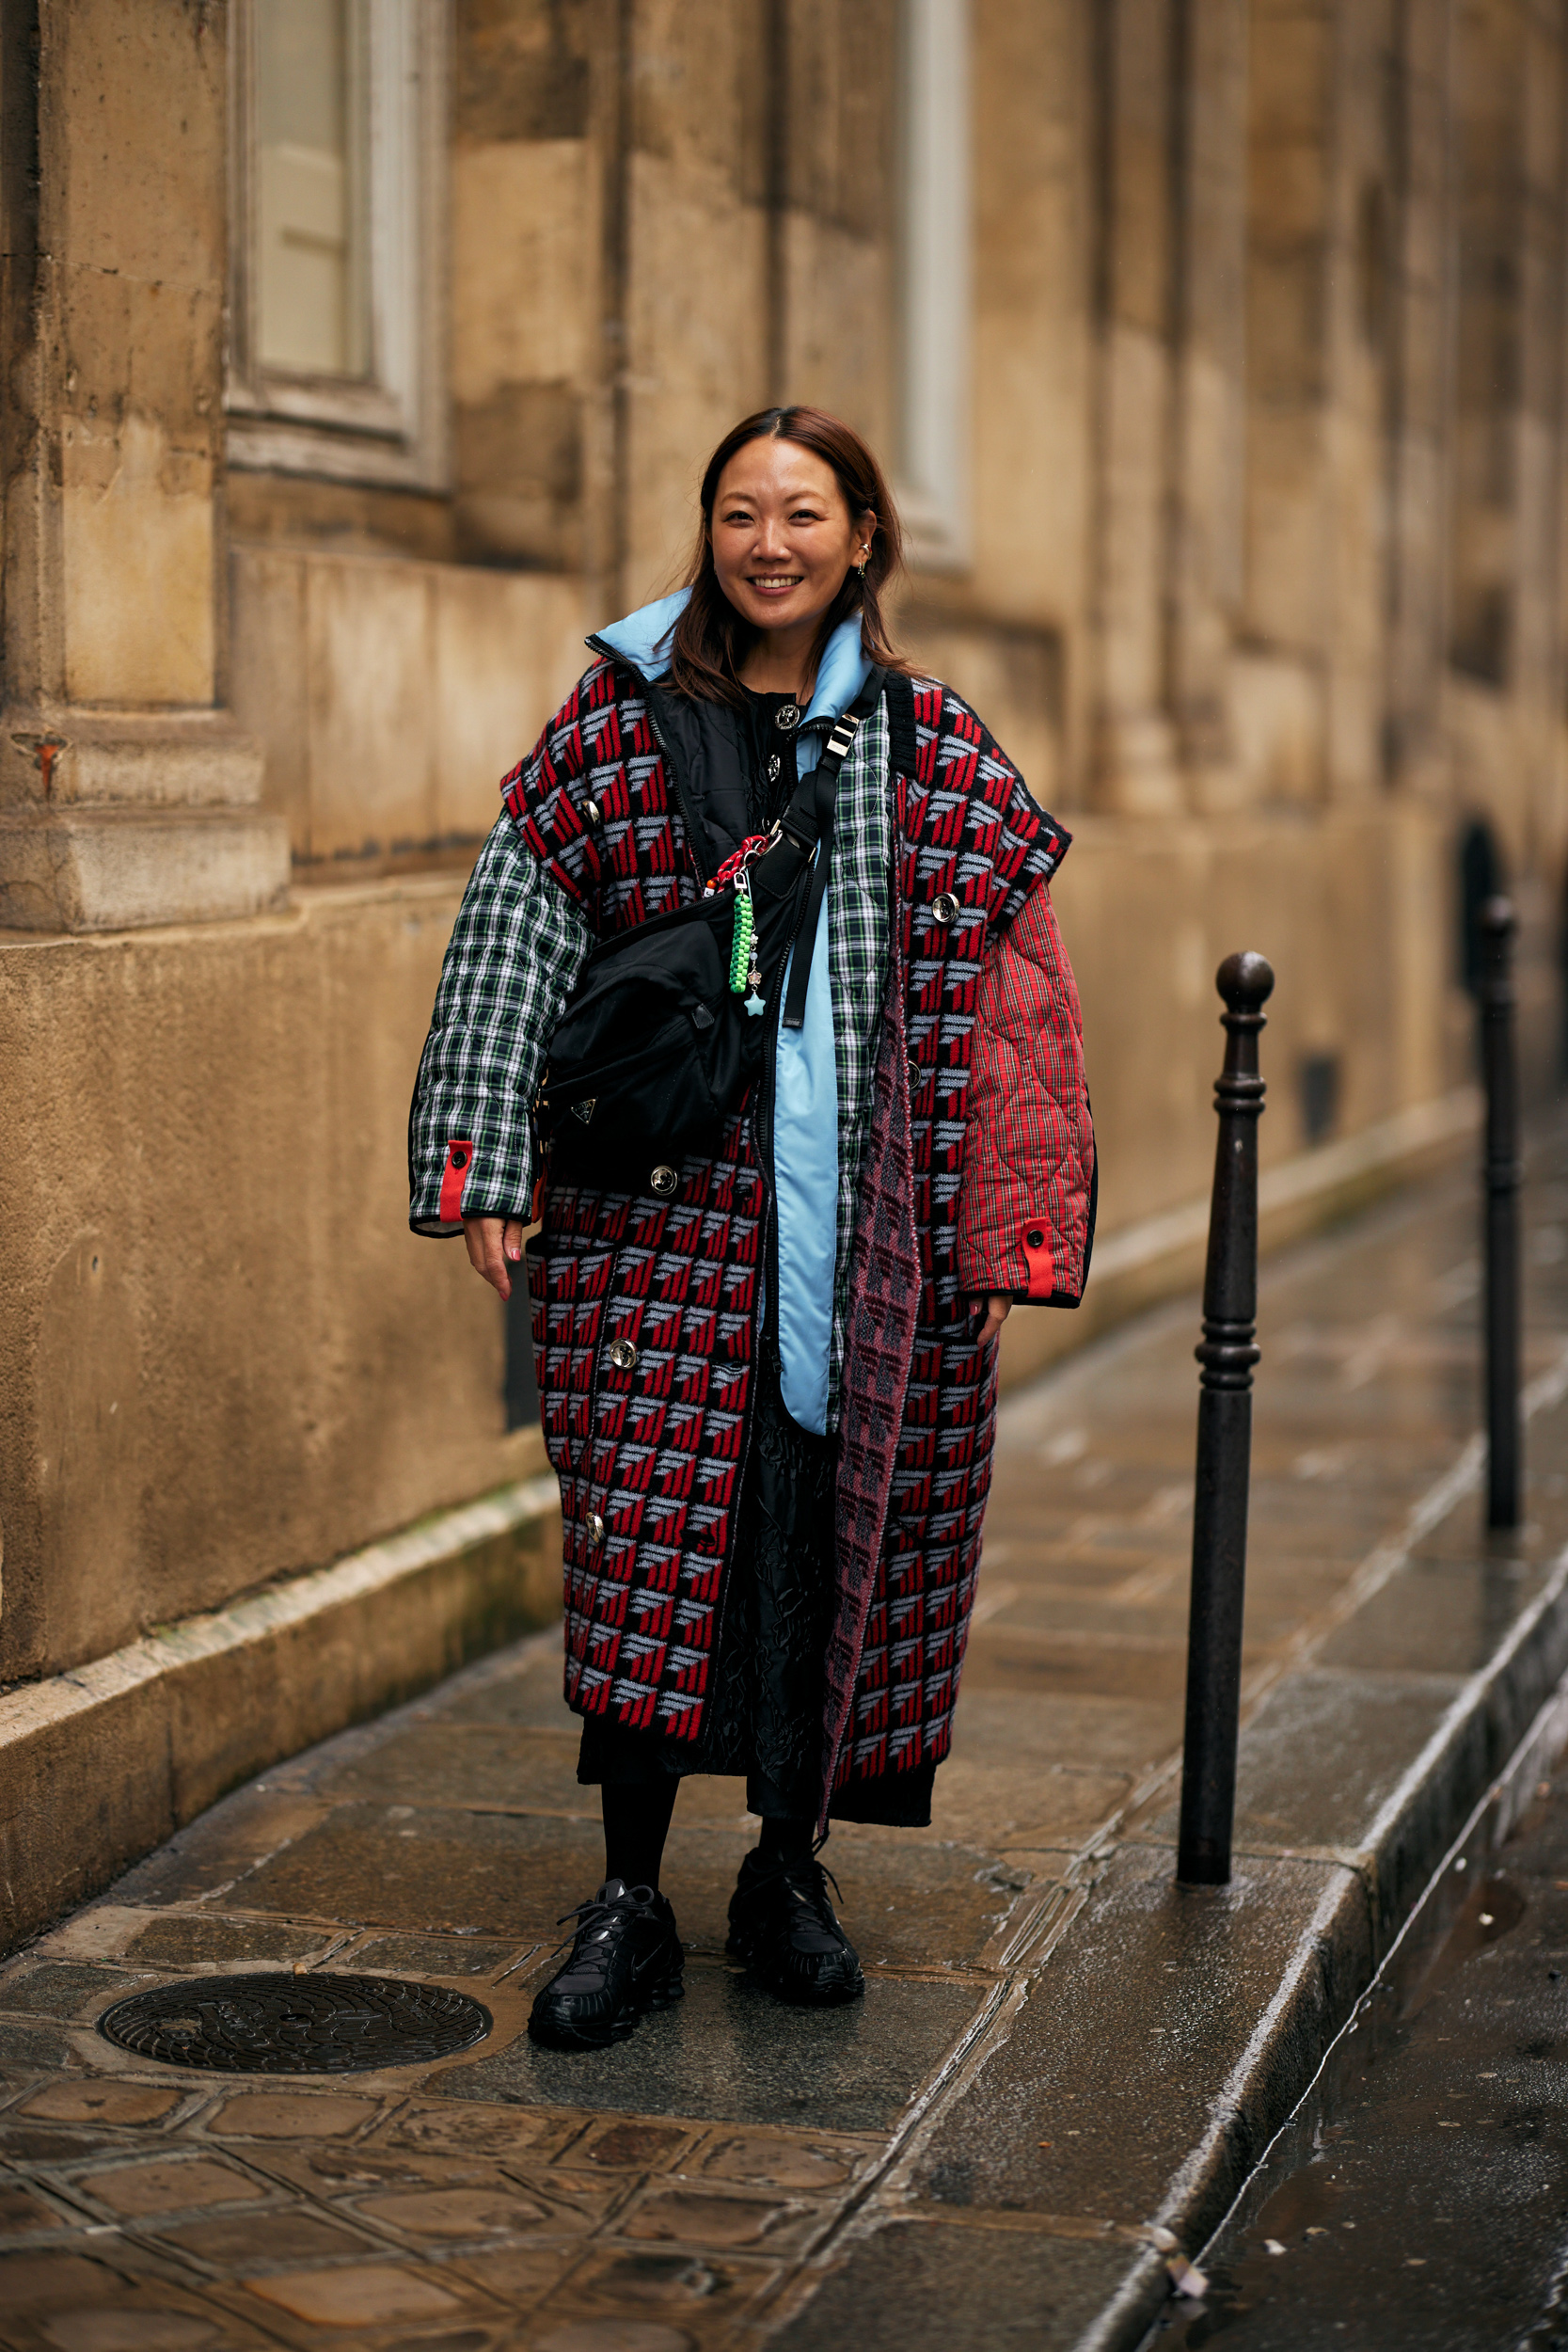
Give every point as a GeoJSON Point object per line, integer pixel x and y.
{"type": "Point", "coordinates": [898, 1801]}
{"type": "Point", "coordinates": [609, 1757]}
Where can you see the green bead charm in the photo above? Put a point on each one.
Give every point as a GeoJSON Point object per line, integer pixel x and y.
{"type": "Point", "coordinates": [740, 950]}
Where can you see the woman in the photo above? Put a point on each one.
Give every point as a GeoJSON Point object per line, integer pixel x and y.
{"type": "Point", "coordinates": [767, 1377]}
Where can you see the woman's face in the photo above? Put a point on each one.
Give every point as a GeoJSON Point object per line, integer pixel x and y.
{"type": "Point", "coordinates": [783, 535]}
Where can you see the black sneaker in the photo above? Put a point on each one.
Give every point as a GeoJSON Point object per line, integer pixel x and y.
{"type": "Point", "coordinates": [626, 1959]}
{"type": "Point", "coordinates": [783, 1926]}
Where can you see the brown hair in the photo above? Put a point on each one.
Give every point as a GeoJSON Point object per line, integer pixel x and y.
{"type": "Point", "coordinates": [711, 637]}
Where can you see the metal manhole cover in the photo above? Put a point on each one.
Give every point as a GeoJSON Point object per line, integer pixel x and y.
{"type": "Point", "coordinates": [272, 2023]}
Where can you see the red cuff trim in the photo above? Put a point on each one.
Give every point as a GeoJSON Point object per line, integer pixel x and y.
{"type": "Point", "coordinates": [1038, 1258]}
{"type": "Point", "coordinates": [453, 1177]}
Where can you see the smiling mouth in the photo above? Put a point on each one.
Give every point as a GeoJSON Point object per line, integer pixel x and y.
{"type": "Point", "coordinates": [770, 583]}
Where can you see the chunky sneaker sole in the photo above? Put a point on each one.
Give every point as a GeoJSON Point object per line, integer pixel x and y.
{"type": "Point", "coordinates": [785, 1930]}
{"type": "Point", "coordinates": [551, 2032]}
{"type": "Point", "coordinates": [844, 1980]}
{"type": "Point", "coordinates": [626, 1960]}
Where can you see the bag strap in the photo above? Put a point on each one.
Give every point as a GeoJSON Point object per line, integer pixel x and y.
{"type": "Point", "coordinates": [820, 789]}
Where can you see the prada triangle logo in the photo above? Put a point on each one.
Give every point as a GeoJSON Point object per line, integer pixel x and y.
{"type": "Point", "coordinates": [584, 1110]}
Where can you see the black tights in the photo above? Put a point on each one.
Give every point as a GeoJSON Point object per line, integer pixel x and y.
{"type": "Point", "coordinates": [636, 1821]}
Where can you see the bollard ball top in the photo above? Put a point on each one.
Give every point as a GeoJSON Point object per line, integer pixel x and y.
{"type": "Point", "coordinates": [1497, 919]}
{"type": "Point", "coordinates": [1245, 981]}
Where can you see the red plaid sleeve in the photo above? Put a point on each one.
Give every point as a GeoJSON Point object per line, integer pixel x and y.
{"type": "Point", "coordinates": [1026, 1206]}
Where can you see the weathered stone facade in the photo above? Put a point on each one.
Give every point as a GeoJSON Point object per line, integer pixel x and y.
{"type": "Point", "coordinates": [1259, 318]}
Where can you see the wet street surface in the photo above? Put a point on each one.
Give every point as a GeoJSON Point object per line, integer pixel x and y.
{"type": "Point", "coordinates": [1056, 2044]}
{"type": "Point", "coordinates": [1420, 2201]}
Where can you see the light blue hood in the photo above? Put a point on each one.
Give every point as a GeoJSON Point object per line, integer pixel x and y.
{"type": "Point", "coordinates": [644, 636]}
{"type": "Point", "coordinates": [644, 640]}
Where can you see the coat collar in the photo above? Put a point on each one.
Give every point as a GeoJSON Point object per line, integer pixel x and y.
{"type": "Point", "coordinates": [643, 641]}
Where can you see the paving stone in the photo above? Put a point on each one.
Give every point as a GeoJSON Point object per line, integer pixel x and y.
{"type": "Point", "coordinates": [292, 2115]}
{"type": "Point", "coordinates": [34, 2050]}
{"type": "Point", "coordinates": [1123, 1614]}
{"type": "Point", "coordinates": [145, 2322]}
{"type": "Point", "coordinates": [62, 1989]}
{"type": "Point", "coordinates": [994, 1808]}
{"type": "Point", "coordinates": [613, 2335]}
{"type": "Point", "coordinates": [281, 2234]}
{"type": "Point", "coordinates": [184, 1942]}
{"type": "Point", "coordinates": [1434, 1616]}
{"type": "Point", "coordinates": [691, 2216]}
{"type": "Point", "coordinates": [463, 2215]}
{"type": "Point", "coordinates": [333, 2169]}
{"type": "Point", "coordinates": [519, 2278]}
{"type": "Point", "coordinates": [359, 2296]}
{"type": "Point", "coordinates": [503, 1767]}
{"type": "Point", "coordinates": [1361, 1732]}
{"type": "Point", "coordinates": [526, 1690]}
{"type": "Point", "coordinates": [705, 2290]}
{"type": "Point", "coordinates": [101, 2101]}
{"type": "Point", "coordinates": [472, 2130]}
{"type": "Point", "coordinates": [515, 1766]}
{"type": "Point", "coordinates": [167, 2184]}
{"type": "Point", "coordinates": [20, 2145]}
{"type": "Point", "coordinates": [433, 1956]}
{"type": "Point", "coordinates": [462, 1868]}
{"type": "Point", "coordinates": [638, 2146]}
{"type": "Point", "coordinates": [220, 1846]}
{"type": "Point", "coordinates": [935, 2287]}
{"type": "Point", "coordinates": [999, 1659]}
{"type": "Point", "coordinates": [730, 2053]}
{"type": "Point", "coordinates": [774, 2162]}
{"type": "Point", "coordinates": [43, 2281]}
{"type": "Point", "coordinates": [24, 2216]}
{"type": "Point", "coordinates": [1126, 2041]}
{"type": "Point", "coordinates": [1014, 1729]}
{"type": "Point", "coordinates": [438, 1869]}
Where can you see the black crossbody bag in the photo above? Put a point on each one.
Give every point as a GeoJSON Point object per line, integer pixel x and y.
{"type": "Point", "coordinates": [664, 1031]}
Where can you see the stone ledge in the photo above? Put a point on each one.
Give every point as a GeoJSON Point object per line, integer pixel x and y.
{"type": "Point", "coordinates": [118, 1754]}
{"type": "Point", "coordinates": [1162, 1256]}
{"type": "Point", "coordinates": [151, 760]}
{"type": "Point", "coordinates": [103, 868]}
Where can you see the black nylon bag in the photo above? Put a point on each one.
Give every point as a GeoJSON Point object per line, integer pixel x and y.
{"type": "Point", "coordinates": [652, 1054]}
{"type": "Point", "coordinates": [655, 1051]}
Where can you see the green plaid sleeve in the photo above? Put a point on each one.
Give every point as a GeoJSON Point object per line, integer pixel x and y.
{"type": "Point", "coordinates": [512, 960]}
{"type": "Point", "coordinates": [859, 947]}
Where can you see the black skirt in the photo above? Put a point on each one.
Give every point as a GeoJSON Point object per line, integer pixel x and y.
{"type": "Point", "coordinates": [765, 1698]}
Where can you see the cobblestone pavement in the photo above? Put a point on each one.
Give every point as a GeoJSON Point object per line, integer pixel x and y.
{"type": "Point", "coordinates": [1044, 2031]}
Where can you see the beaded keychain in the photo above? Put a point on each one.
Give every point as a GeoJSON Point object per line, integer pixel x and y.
{"type": "Point", "coordinates": [745, 972]}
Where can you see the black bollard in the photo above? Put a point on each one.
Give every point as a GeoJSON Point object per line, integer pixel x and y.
{"type": "Point", "coordinates": [1227, 1354]}
{"type": "Point", "coordinates": [1502, 1179]}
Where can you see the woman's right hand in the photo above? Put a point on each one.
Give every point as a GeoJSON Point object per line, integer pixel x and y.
{"type": "Point", "coordinates": [495, 1247]}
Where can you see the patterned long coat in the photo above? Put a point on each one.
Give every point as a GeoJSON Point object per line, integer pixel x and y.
{"type": "Point", "coordinates": [966, 1161]}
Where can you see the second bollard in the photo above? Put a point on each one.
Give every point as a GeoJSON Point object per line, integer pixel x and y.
{"type": "Point", "coordinates": [1502, 1178]}
{"type": "Point", "coordinates": [1227, 1354]}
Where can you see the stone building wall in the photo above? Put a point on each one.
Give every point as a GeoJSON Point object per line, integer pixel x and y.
{"type": "Point", "coordinates": [1259, 579]}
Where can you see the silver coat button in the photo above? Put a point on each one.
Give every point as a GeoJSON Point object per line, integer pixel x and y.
{"type": "Point", "coordinates": [623, 1355]}
{"type": "Point", "coordinates": [916, 1076]}
{"type": "Point", "coordinates": [591, 810]}
{"type": "Point", "coordinates": [664, 1181]}
{"type": "Point", "coordinates": [945, 909]}
{"type": "Point", "coordinates": [596, 1528]}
